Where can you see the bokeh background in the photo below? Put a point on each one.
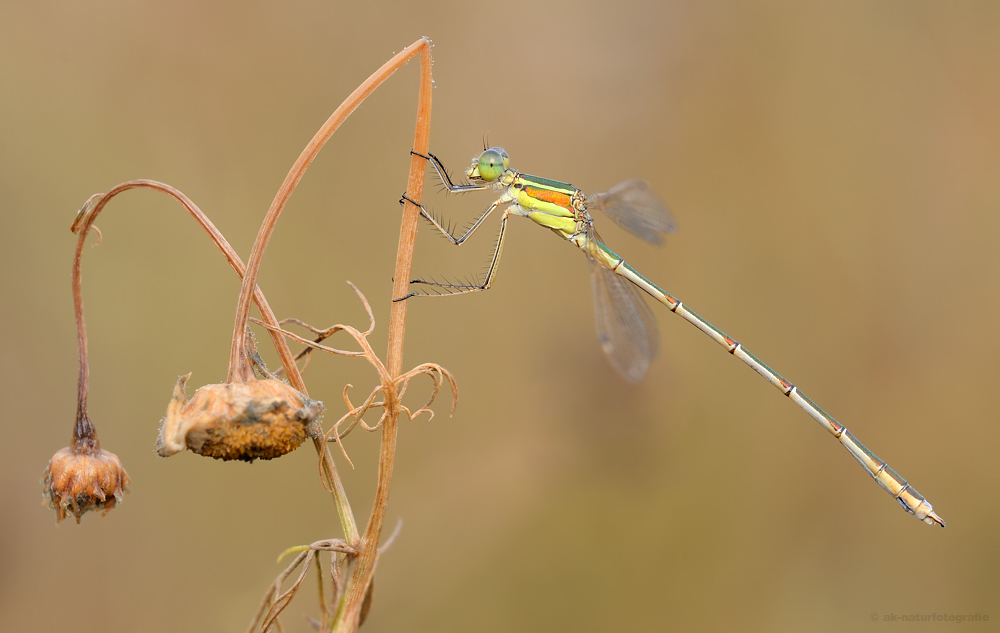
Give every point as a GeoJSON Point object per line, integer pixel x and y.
{"type": "Point", "coordinates": [834, 170]}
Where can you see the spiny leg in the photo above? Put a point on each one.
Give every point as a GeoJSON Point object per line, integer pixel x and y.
{"type": "Point", "coordinates": [455, 288]}
{"type": "Point", "coordinates": [457, 241]}
{"type": "Point", "coordinates": [445, 178]}
{"type": "Point", "coordinates": [491, 267]}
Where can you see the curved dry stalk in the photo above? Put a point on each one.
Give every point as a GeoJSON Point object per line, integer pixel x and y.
{"type": "Point", "coordinates": [365, 564]}
{"type": "Point", "coordinates": [85, 444]}
{"type": "Point", "coordinates": [361, 338]}
{"type": "Point", "coordinates": [333, 329]}
{"type": "Point", "coordinates": [87, 215]}
{"type": "Point", "coordinates": [84, 221]}
{"type": "Point", "coordinates": [358, 588]}
{"type": "Point", "coordinates": [239, 367]}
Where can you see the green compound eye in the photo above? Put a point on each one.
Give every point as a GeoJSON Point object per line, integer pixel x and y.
{"type": "Point", "coordinates": [492, 163]}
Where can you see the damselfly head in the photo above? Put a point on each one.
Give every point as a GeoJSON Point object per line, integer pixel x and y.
{"type": "Point", "coordinates": [490, 165]}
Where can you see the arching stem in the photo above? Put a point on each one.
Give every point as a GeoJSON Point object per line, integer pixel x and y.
{"type": "Point", "coordinates": [364, 566]}
{"type": "Point", "coordinates": [84, 434]}
{"type": "Point", "coordinates": [240, 368]}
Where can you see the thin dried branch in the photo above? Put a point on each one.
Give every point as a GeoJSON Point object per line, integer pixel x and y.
{"type": "Point", "coordinates": [264, 604]}
{"type": "Point", "coordinates": [322, 596]}
{"type": "Point", "coordinates": [324, 334]}
{"type": "Point", "coordinates": [315, 344]}
{"type": "Point", "coordinates": [384, 547]}
{"type": "Point", "coordinates": [282, 600]}
{"type": "Point", "coordinates": [398, 386]}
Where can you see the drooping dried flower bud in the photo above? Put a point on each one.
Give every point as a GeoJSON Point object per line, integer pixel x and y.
{"type": "Point", "coordinates": [81, 478]}
{"type": "Point", "coordinates": [260, 419]}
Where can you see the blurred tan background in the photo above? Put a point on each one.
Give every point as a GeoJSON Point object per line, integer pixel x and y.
{"type": "Point", "coordinates": [834, 170]}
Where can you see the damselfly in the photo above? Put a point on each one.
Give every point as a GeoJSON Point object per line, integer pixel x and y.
{"type": "Point", "coordinates": [625, 324]}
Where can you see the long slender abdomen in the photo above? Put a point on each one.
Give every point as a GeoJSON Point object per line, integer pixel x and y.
{"type": "Point", "coordinates": [911, 500]}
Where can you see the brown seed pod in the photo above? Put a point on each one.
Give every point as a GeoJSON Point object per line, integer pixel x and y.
{"type": "Point", "coordinates": [260, 419]}
{"type": "Point", "coordinates": [81, 478]}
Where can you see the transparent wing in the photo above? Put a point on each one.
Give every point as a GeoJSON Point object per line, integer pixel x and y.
{"type": "Point", "coordinates": [634, 207]}
{"type": "Point", "coordinates": [625, 324]}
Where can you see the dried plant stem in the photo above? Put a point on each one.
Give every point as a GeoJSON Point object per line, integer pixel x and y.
{"type": "Point", "coordinates": [84, 433]}
{"type": "Point", "coordinates": [97, 203]}
{"type": "Point", "coordinates": [82, 224]}
{"type": "Point", "coordinates": [357, 554]}
{"type": "Point", "coordinates": [364, 566]}
{"type": "Point", "coordinates": [240, 367]}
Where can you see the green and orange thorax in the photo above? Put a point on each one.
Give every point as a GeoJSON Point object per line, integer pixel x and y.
{"type": "Point", "coordinates": [555, 205]}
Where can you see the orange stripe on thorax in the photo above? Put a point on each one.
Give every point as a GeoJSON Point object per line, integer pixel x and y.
{"type": "Point", "coordinates": [547, 195]}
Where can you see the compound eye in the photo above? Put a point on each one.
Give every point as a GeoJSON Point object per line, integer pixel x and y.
{"type": "Point", "coordinates": [492, 164]}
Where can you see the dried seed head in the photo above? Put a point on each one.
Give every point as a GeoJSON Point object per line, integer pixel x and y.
{"type": "Point", "coordinates": [81, 478]}
{"type": "Point", "coordinates": [261, 419]}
